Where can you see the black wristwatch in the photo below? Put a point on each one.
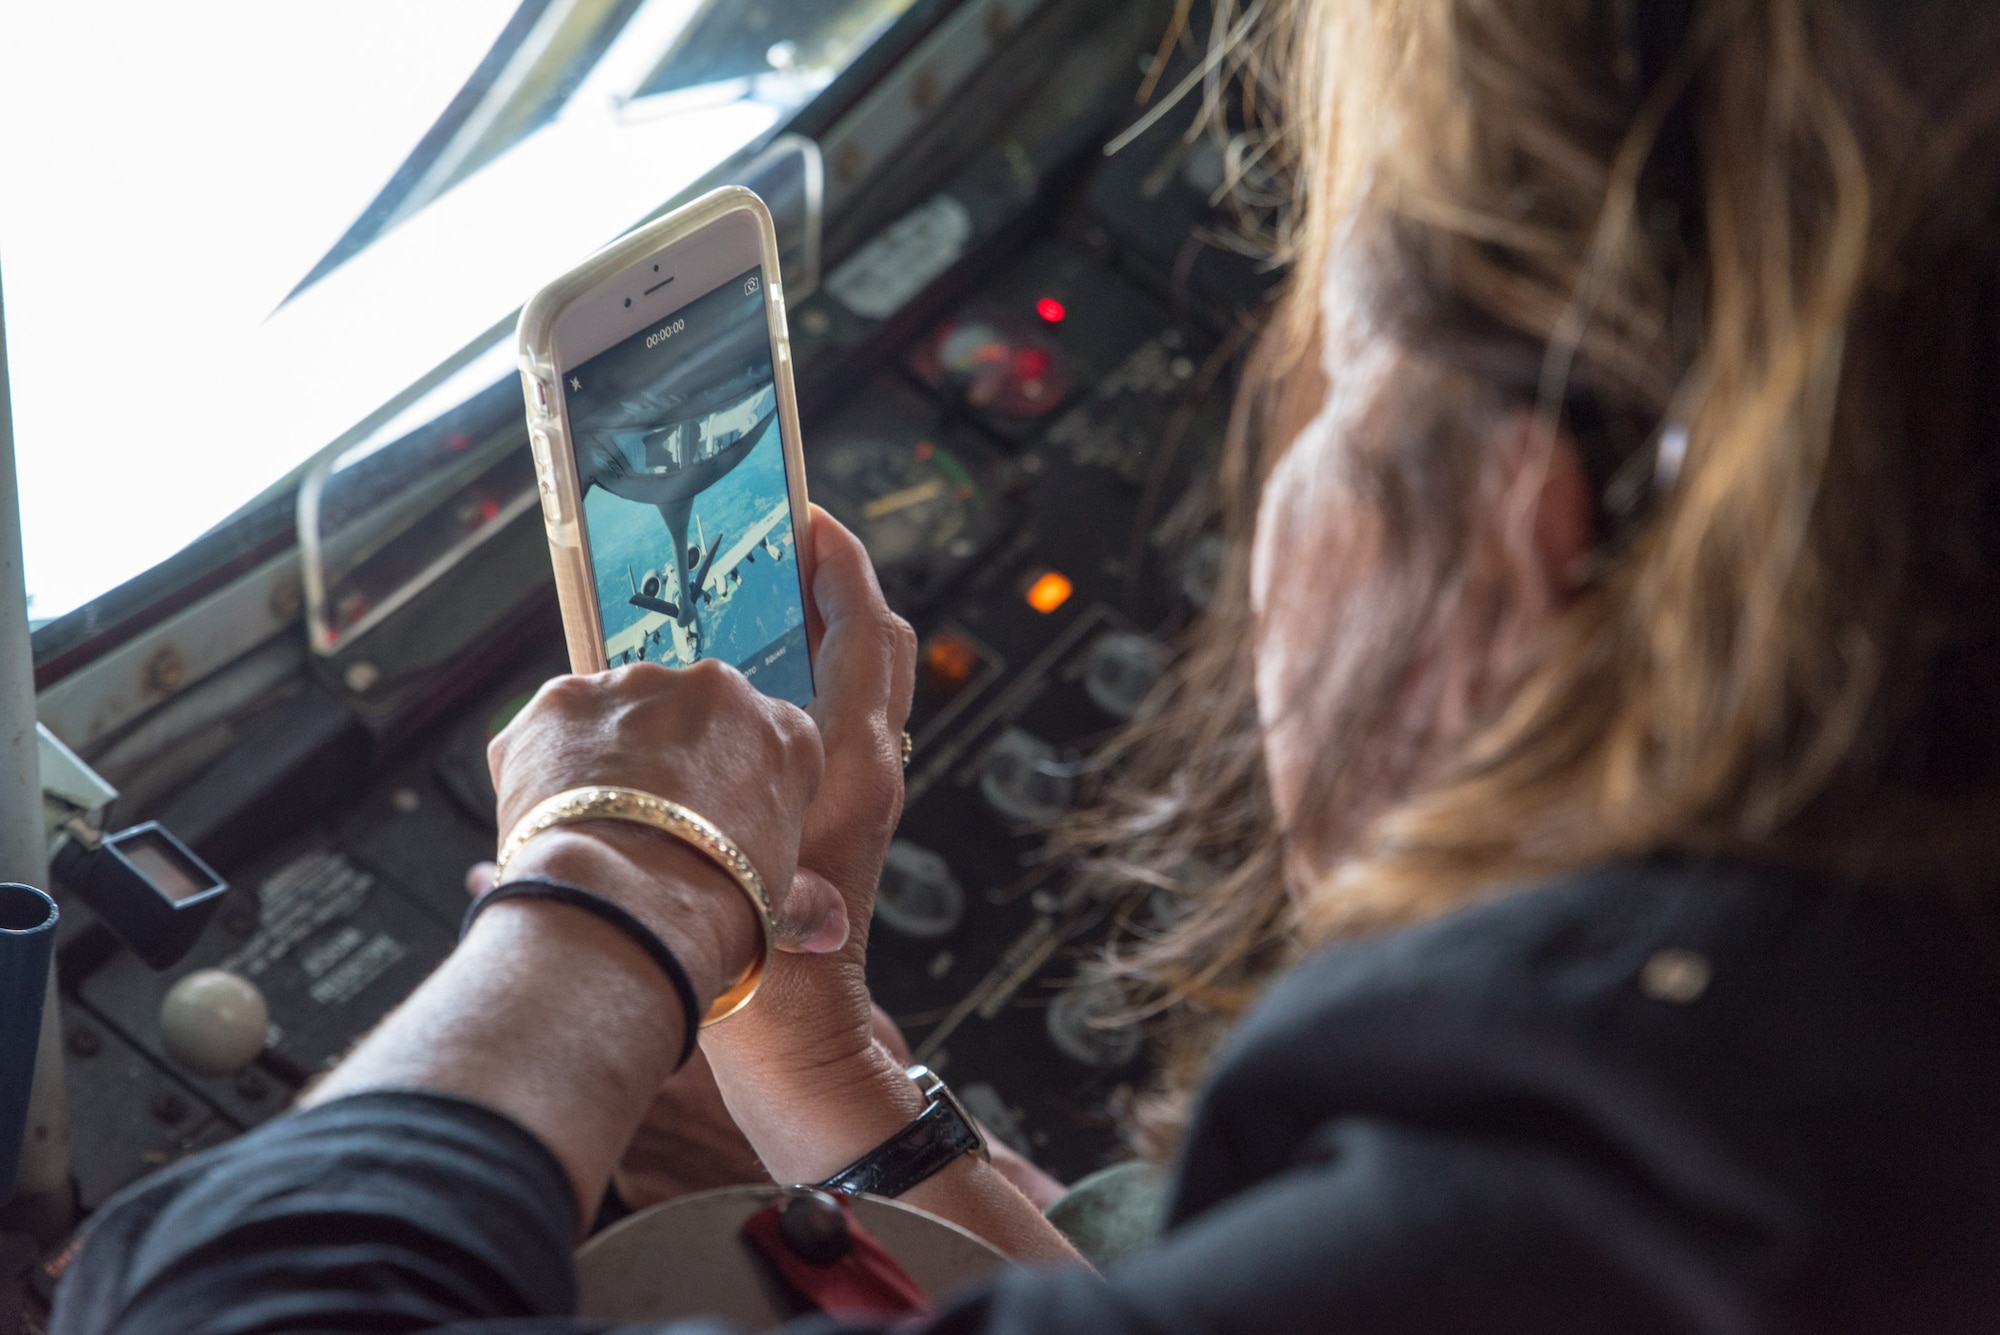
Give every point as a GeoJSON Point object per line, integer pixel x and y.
{"type": "Point", "coordinates": [941, 1133]}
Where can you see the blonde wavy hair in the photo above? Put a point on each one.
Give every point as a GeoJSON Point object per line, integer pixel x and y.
{"type": "Point", "coordinates": [1758, 281]}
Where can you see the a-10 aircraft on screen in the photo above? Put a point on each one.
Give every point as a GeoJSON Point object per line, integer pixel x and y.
{"type": "Point", "coordinates": [671, 631]}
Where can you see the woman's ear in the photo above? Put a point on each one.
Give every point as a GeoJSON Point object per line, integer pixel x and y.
{"type": "Point", "coordinates": [1564, 528]}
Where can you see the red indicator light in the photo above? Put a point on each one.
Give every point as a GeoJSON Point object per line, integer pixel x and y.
{"type": "Point", "coordinates": [951, 658]}
{"type": "Point", "coordinates": [925, 450]}
{"type": "Point", "coordinates": [1051, 310]}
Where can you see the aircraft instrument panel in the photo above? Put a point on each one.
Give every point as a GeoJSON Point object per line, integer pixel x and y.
{"type": "Point", "coordinates": [1015, 378]}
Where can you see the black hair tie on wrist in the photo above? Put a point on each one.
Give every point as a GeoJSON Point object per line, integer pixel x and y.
{"type": "Point", "coordinates": [590, 902]}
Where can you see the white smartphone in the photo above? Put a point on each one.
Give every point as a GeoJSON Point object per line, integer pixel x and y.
{"type": "Point", "coordinates": [665, 432]}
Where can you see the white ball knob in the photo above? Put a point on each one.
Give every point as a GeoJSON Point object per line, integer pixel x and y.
{"type": "Point", "coordinates": [214, 1022]}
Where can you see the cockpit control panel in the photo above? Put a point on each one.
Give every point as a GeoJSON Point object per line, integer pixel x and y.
{"type": "Point", "coordinates": [1015, 376]}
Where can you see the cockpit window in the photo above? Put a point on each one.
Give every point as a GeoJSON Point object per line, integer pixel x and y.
{"type": "Point", "coordinates": [266, 222]}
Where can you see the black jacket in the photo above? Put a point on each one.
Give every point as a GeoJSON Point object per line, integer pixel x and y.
{"type": "Point", "coordinates": [1649, 1098]}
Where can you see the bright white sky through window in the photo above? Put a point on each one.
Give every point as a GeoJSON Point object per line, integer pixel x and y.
{"type": "Point", "coordinates": [170, 171]}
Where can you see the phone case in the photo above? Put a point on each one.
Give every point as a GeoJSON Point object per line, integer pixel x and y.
{"type": "Point", "coordinates": [548, 421]}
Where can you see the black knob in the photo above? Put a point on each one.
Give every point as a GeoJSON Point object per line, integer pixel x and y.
{"type": "Point", "coordinates": [1119, 671]}
{"type": "Point", "coordinates": [815, 1227]}
{"type": "Point", "coordinates": [1201, 572]}
{"type": "Point", "coordinates": [1025, 779]}
{"type": "Point", "coordinates": [916, 893]}
{"type": "Point", "coordinates": [1088, 1023]}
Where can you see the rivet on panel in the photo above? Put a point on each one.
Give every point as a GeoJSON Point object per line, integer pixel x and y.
{"type": "Point", "coordinates": [167, 671]}
{"type": "Point", "coordinates": [847, 163]}
{"type": "Point", "coordinates": [285, 600]}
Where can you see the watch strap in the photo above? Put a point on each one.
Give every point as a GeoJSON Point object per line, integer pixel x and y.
{"type": "Point", "coordinates": [940, 1135]}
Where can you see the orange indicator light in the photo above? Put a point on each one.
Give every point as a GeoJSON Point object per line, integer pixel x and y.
{"type": "Point", "coordinates": [1049, 592]}
{"type": "Point", "coordinates": [1051, 310]}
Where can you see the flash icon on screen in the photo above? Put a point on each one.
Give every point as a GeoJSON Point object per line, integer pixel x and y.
{"type": "Point", "coordinates": [575, 383]}
{"type": "Point", "coordinates": [749, 287]}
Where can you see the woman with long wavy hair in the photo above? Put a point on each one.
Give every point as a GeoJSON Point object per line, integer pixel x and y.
{"type": "Point", "coordinates": [1592, 797]}
{"type": "Point", "coordinates": [1622, 469]}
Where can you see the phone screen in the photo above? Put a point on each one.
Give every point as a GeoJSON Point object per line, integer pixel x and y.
{"type": "Point", "coordinates": [686, 511]}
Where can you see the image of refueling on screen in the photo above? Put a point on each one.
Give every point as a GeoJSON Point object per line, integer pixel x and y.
{"type": "Point", "coordinates": [689, 521]}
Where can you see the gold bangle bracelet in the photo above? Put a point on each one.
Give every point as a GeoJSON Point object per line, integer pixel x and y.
{"type": "Point", "coordinates": [643, 808]}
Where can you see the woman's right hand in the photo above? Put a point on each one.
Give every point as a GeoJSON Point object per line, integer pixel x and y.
{"type": "Point", "coordinates": [800, 1068]}
{"type": "Point", "coordinates": [808, 1040]}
